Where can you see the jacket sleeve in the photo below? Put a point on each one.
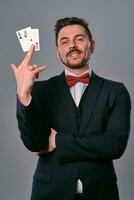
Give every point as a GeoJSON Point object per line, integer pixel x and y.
{"type": "Point", "coordinates": [33, 126]}
{"type": "Point", "coordinates": [109, 144]}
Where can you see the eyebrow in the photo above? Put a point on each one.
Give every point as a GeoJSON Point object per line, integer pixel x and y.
{"type": "Point", "coordinates": [65, 38]}
{"type": "Point", "coordinates": [80, 35]}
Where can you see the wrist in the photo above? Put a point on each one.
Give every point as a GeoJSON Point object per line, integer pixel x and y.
{"type": "Point", "coordinates": [25, 99]}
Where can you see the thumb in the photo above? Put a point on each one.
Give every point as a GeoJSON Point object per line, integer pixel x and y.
{"type": "Point", "coordinates": [14, 68]}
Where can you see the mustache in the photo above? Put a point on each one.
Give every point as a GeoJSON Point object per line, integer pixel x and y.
{"type": "Point", "coordinates": [73, 50]}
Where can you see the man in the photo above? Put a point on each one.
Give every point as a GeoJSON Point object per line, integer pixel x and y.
{"type": "Point", "coordinates": [78, 122]}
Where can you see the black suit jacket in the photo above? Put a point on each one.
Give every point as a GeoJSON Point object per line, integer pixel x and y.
{"type": "Point", "coordinates": [87, 154]}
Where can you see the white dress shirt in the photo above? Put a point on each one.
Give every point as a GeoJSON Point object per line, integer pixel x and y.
{"type": "Point", "coordinates": [77, 91]}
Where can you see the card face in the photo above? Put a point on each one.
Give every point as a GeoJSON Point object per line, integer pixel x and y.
{"type": "Point", "coordinates": [23, 35]}
{"type": "Point", "coordinates": [27, 37]}
{"type": "Point", "coordinates": [36, 39]}
{"type": "Point", "coordinates": [33, 38]}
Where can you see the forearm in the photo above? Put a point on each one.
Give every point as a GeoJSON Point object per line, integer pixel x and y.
{"type": "Point", "coordinates": [107, 142]}
{"type": "Point", "coordinates": [33, 126]}
{"type": "Point", "coordinates": [99, 147]}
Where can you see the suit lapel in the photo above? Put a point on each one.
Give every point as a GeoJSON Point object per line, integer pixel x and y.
{"type": "Point", "coordinates": [64, 94]}
{"type": "Point", "coordinates": [91, 99]}
{"type": "Point", "coordinates": [66, 101]}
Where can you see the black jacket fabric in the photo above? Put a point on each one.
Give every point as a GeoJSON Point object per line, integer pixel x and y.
{"type": "Point", "coordinates": [86, 153]}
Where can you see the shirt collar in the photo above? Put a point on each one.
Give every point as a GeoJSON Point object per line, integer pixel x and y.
{"type": "Point", "coordinates": [67, 72]}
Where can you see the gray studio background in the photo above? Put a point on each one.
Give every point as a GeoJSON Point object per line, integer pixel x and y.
{"type": "Point", "coordinates": [112, 25]}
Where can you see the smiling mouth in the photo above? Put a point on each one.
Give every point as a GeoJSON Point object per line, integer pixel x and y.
{"type": "Point", "coordinates": [74, 53]}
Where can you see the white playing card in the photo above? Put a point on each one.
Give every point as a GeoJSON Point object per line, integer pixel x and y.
{"type": "Point", "coordinates": [23, 35]}
{"type": "Point", "coordinates": [36, 37]}
{"type": "Point", "coordinates": [33, 38]}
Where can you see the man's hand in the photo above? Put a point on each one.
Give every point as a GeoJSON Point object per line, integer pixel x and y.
{"type": "Point", "coordinates": [25, 75]}
{"type": "Point", "coordinates": [51, 145]}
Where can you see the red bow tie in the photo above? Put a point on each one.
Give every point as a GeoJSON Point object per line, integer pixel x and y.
{"type": "Point", "coordinates": [72, 80]}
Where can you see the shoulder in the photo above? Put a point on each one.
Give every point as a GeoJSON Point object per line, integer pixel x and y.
{"type": "Point", "coordinates": [112, 87]}
{"type": "Point", "coordinates": [108, 83]}
{"type": "Point", "coordinates": [116, 86]}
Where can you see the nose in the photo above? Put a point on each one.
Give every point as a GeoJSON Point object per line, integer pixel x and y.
{"type": "Point", "coordinates": [72, 44]}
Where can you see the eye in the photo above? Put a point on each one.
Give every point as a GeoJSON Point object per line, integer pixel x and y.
{"type": "Point", "coordinates": [63, 42]}
{"type": "Point", "coordinates": [79, 39]}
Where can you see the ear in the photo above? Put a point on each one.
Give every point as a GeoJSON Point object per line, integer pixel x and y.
{"type": "Point", "coordinates": [93, 46]}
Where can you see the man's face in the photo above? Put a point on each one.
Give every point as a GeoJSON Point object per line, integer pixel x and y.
{"type": "Point", "coordinates": [73, 46]}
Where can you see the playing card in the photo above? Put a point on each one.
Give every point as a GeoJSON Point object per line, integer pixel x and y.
{"type": "Point", "coordinates": [27, 37]}
{"type": "Point", "coordinates": [23, 37]}
{"type": "Point", "coordinates": [36, 37]}
{"type": "Point", "coordinates": [33, 38]}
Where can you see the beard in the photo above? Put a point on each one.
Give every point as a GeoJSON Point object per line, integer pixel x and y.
{"type": "Point", "coordinates": [79, 65]}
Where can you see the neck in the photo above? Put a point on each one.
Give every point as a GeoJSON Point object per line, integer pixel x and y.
{"type": "Point", "coordinates": [78, 71]}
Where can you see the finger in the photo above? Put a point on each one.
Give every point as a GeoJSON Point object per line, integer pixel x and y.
{"type": "Point", "coordinates": [14, 68]}
{"type": "Point", "coordinates": [28, 57]}
{"type": "Point", "coordinates": [35, 66]}
{"type": "Point", "coordinates": [31, 68]}
{"type": "Point", "coordinates": [46, 151]}
{"type": "Point", "coordinates": [42, 152]}
{"type": "Point", "coordinates": [39, 69]}
{"type": "Point", "coordinates": [53, 131]}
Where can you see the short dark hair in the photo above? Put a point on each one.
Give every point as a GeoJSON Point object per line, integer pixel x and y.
{"type": "Point", "coordinates": [71, 21]}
